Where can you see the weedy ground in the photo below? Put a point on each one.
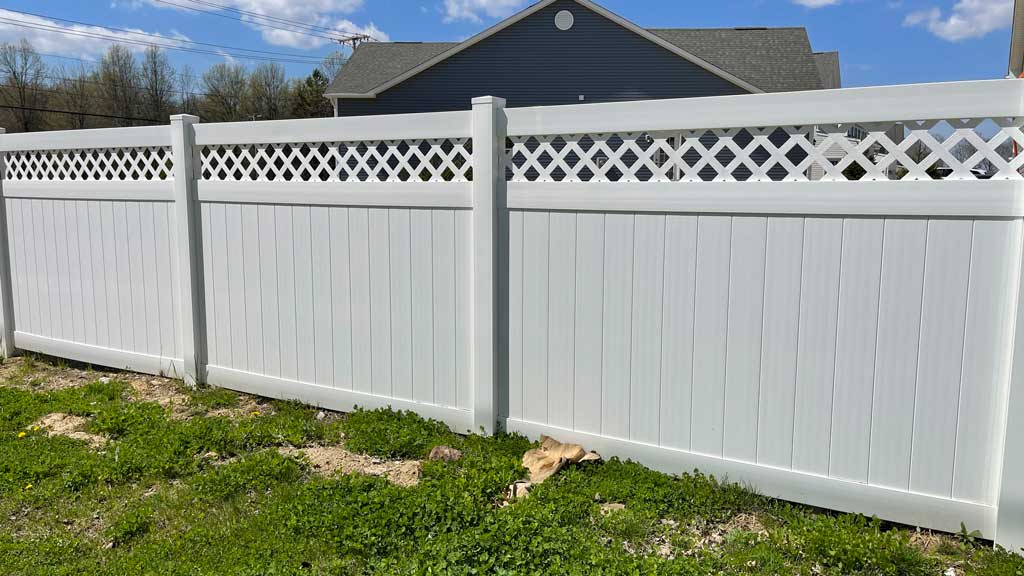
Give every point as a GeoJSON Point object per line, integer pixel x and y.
{"type": "Point", "coordinates": [121, 474]}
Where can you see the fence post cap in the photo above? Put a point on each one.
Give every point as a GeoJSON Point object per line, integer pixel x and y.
{"type": "Point", "coordinates": [488, 100]}
{"type": "Point", "coordinates": [184, 118]}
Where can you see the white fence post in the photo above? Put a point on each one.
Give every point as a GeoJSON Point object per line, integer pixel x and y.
{"type": "Point", "coordinates": [6, 293]}
{"type": "Point", "coordinates": [186, 212]}
{"type": "Point", "coordinates": [488, 194]}
{"type": "Point", "coordinates": [1010, 506]}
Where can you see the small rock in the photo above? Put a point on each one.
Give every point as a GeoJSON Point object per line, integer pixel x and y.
{"type": "Point", "coordinates": [444, 453]}
{"type": "Point", "coordinates": [105, 380]}
{"type": "Point", "coordinates": [950, 572]}
{"type": "Point", "coordinates": [612, 507]}
{"type": "Point", "coordinates": [321, 415]}
{"type": "Point", "coordinates": [211, 456]}
{"type": "Point", "coordinates": [108, 545]}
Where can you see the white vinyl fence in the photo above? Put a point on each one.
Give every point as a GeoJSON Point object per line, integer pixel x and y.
{"type": "Point", "coordinates": [732, 284]}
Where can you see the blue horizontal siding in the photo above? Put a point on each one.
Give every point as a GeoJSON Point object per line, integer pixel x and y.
{"type": "Point", "coordinates": [532, 63]}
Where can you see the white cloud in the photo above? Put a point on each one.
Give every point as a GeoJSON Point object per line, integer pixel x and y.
{"type": "Point", "coordinates": [45, 35]}
{"type": "Point", "coordinates": [475, 10]}
{"type": "Point", "coordinates": [968, 19]}
{"type": "Point", "coordinates": [276, 31]}
{"type": "Point", "coordinates": [816, 3]}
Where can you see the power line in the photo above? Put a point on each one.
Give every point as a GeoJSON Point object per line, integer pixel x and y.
{"type": "Point", "coordinates": [115, 39]}
{"type": "Point", "coordinates": [138, 33]}
{"type": "Point", "coordinates": [348, 35]}
{"type": "Point", "coordinates": [334, 38]}
{"type": "Point", "coordinates": [94, 115]}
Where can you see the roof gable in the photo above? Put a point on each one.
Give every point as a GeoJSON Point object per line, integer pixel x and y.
{"type": "Point", "coordinates": [343, 85]}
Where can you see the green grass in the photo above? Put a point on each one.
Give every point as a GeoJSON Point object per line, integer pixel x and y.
{"type": "Point", "coordinates": [151, 503]}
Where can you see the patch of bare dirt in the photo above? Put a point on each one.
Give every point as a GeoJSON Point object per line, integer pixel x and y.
{"type": "Point", "coordinates": [247, 407]}
{"type": "Point", "coordinates": [713, 534]}
{"type": "Point", "coordinates": [59, 424]}
{"type": "Point", "coordinates": [330, 460]}
{"type": "Point", "coordinates": [163, 391]}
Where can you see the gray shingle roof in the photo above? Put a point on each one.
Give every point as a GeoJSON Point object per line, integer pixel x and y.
{"type": "Point", "coordinates": [828, 68]}
{"type": "Point", "coordinates": [374, 63]}
{"type": "Point", "coordinates": [773, 59]}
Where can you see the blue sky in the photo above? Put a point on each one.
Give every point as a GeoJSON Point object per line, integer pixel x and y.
{"type": "Point", "coordinates": [880, 41]}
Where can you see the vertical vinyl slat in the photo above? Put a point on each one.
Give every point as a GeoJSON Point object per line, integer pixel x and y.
{"type": "Point", "coordinates": [113, 289]}
{"type": "Point", "coordinates": [743, 350]}
{"type": "Point", "coordinates": [136, 275]}
{"type": "Point", "coordinates": [444, 308]}
{"type": "Point", "coordinates": [711, 313]}
{"type": "Point", "coordinates": [515, 314]}
{"type": "Point", "coordinates": [235, 286]}
{"type": "Point", "coordinates": [647, 314]}
{"type": "Point", "coordinates": [588, 324]}
{"type": "Point", "coordinates": [60, 241]}
{"type": "Point", "coordinates": [99, 273]}
{"type": "Point", "coordinates": [899, 322]}
{"type": "Point", "coordinates": [34, 286]}
{"type": "Point", "coordinates": [816, 349]}
{"type": "Point", "coordinates": [154, 320]}
{"type": "Point", "coordinates": [677, 331]}
{"type": "Point", "coordinates": [380, 301]}
{"type": "Point", "coordinates": [269, 270]}
{"type": "Point", "coordinates": [49, 245]}
{"type": "Point", "coordinates": [422, 281]}
{"type": "Point", "coordinates": [126, 289]}
{"type": "Point", "coordinates": [18, 273]}
{"type": "Point", "coordinates": [359, 253]}
{"type": "Point", "coordinates": [536, 226]}
{"type": "Point", "coordinates": [209, 281]}
{"type": "Point", "coordinates": [939, 370]}
{"type": "Point", "coordinates": [286, 296]}
{"type": "Point", "coordinates": [401, 302]}
{"type": "Point", "coordinates": [323, 307]}
{"type": "Point", "coordinates": [342, 327]}
{"type": "Point", "coordinates": [252, 291]}
{"type": "Point", "coordinates": [780, 336]}
{"type": "Point", "coordinates": [855, 348]}
{"type": "Point", "coordinates": [305, 335]}
{"type": "Point", "coordinates": [464, 310]}
{"type": "Point", "coordinates": [986, 368]}
{"type": "Point", "coordinates": [618, 316]}
{"type": "Point", "coordinates": [561, 314]}
{"type": "Point", "coordinates": [222, 289]}
{"type": "Point", "coordinates": [75, 271]}
{"type": "Point", "coordinates": [164, 278]}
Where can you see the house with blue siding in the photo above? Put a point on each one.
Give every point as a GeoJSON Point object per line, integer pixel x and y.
{"type": "Point", "coordinates": [575, 51]}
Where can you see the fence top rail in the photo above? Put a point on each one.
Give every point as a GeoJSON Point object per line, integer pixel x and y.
{"type": "Point", "coordinates": [139, 137]}
{"type": "Point", "coordinates": [349, 129]}
{"type": "Point", "coordinates": [975, 99]}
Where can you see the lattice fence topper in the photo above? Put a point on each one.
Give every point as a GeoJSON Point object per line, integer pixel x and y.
{"type": "Point", "coordinates": [434, 160]}
{"type": "Point", "coordinates": [100, 164]}
{"type": "Point", "coordinates": [917, 150]}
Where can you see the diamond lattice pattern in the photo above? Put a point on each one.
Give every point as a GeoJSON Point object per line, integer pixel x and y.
{"type": "Point", "coordinates": [919, 150]}
{"type": "Point", "coordinates": [101, 164]}
{"type": "Point", "coordinates": [435, 160]}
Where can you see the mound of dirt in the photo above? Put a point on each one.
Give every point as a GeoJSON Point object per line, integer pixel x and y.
{"type": "Point", "coordinates": [330, 460]}
{"type": "Point", "coordinates": [67, 425]}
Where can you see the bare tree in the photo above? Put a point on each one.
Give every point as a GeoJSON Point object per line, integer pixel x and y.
{"type": "Point", "coordinates": [225, 86]}
{"type": "Point", "coordinates": [157, 84]}
{"type": "Point", "coordinates": [75, 95]}
{"type": "Point", "coordinates": [119, 79]}
{"type": "Point", "coordinates": [189, 101]}
{"type": "Point", "coordinates": [268, 92]}
{"type": "Point", "coordinates": [332, 64]}
{"type": "Point", "coordinates": [24, 88]}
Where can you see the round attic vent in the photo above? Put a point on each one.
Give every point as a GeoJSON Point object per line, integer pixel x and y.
{"type": "Point", "coordinates": [564, 20]}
